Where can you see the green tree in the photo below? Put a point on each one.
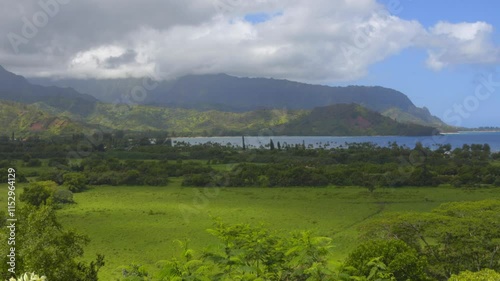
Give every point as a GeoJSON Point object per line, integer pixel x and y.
{"type": "Point", "coordinates": [38, 193]}
{"type": "Point", "coordinates": [135, 272]}
{"type": "Point", "coordinates": [483, 275]}
{"type": "Point", "coordinates": [455, 237]}
{"type": "Point", "coordinates": [76, 182]}
{"type": "Point", "coordinates": [63, 196]}
{"type": "Point", "coordinates": [253, 253]}
{"type": "Point", "coordinates": [43, 246]}
{"type": "Point", "coordinates": [34, 163]}
{"type": "Point", "coordinates": [399, 259]}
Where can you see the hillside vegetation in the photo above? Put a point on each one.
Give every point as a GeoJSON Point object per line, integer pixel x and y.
{"type": "Point", "coordinates": [23, 120]}
{"type": "Point", "coordinates": [217, 105]}
{"type": "Point", "coordinates": [334, 120]}
{"type": "Point", "coordinates": [223, 92]}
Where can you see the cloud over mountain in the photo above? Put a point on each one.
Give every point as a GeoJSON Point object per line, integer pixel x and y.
{"type": "Point", "coordinates": [314, 41]}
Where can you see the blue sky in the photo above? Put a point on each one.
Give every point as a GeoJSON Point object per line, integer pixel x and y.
{"type": "Point", "coordinates": [448, 93]}
{"type": "Point", "coordinates": [443, 54]}
{"type": "Point", "coordinates": [442, 91]}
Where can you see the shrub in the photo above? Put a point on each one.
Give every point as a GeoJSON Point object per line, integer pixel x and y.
{"type": "Point", "coordinates": [402, 261]}
{"type": "Point", "coordinates": [38, 193]}
{"type": "Point", "coordinates": [58, 162]}
{"type": "Point", "coordinates": [497, 182]}
{"type": "Point", "coordinates": [63, 196]}
{"type": "Point", "coordinates": [34, 163]}
{"type": "Point", "coordinates": [254, 253]}
{"type": "Point", "coordinates": [29, 277]}
{"type": "Point", "coordinates": [76, 182]}
{"type": "Point", "coordinates": [483, 275]}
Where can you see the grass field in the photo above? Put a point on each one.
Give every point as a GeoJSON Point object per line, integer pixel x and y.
{"type": "Point", "coordinates": [139, 224]}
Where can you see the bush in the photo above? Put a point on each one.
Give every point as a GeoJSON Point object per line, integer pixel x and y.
{"type": "Point", "coordinates": [76, 182]}
{"type": "Point", "coordinates": [497, 182]}
{"type": "Point", "coordinates": [483, 275]}
{"type": "Point", "coordinates": [196, 180]}
{"type": "Point", "coordinates": [254, 253]}
{"type": "Point", "coordinates": [29, 277]}
{"type": "Point", "coordinates": [34, 163]}
{"type": "Point", "coordinates": [56, 176]}
{"type": "Point", "coordinates": [38, 193]}
{"type": "Point", "coordinates": [63, 196]}
{"type": "Point", "coordinates": [58, 162]}
{"type": "Point", "coordinates": [402, 261]}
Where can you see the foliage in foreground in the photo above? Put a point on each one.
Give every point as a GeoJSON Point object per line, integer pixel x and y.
{"type": "Point", "coordinates": [250, 253]}
{"type": "Point", "coordinates": [455, 237]}
{"type": "Point", "coordinates": [43, 246]}
{"type": "Point", "coordinates": [394, 256]}
{"type": "Point", "coordinates": [459, 239]}
{"type": "Point", "coordinates": [29, 277]}
{"type": "Point", "coordinates": [256, 253]}
{"type": "Point", "coordinates": [483, 275]}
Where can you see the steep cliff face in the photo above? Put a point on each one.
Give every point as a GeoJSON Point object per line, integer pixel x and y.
{"type": "Point", "coordinates": [254, 93]}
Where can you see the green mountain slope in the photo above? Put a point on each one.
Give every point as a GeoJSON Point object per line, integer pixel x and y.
{"type": "Point", "coordinates": [334, 120]}
{"type": "Point", "coordinates": [239, 94]}
{"type": "Point", "coordinates": [419, 116]}
{"type": "Point", "coordinates": [24, 120]}
{"type": "Point", "coordinates": [351, 120]}
{"type": "Point", "coordinates": [189, 122]}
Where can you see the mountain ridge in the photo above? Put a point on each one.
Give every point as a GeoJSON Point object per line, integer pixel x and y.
{"type": "Point", "coordinates": [16, 88]}
{"type": "Point", "coordinates": [239, 94]}
{"type": "Point", "coordinates": [243, 106]}
{"type": "Point", "coordinates": [333, 120]}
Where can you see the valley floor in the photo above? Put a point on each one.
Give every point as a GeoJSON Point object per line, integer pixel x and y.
{"type": "Point", "coordinates": [139, 224]}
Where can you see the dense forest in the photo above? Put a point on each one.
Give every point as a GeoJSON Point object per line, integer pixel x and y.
{"type": "Point", "coordinates": [275, 164]}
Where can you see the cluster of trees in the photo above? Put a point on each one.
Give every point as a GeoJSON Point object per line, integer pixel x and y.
{"type": "Point", "coordinates": [46, 192]}
{"type": "Point", "coordinates": [35, 147]}
{"type": "Point", "coordinates": [261, 175]}
{"type": "Point", "coordinates": [99, 170]}
{"type": "Point", "coordinates": [6, 164]}
{"type": "Point", "coordinates": [359, 165]}
{"type": "Point", "coordinates": [74, 145]}
{"type": "Point", "coordinates": [42, 244]}
{"type": "Point", "coordinates": [455, 237]}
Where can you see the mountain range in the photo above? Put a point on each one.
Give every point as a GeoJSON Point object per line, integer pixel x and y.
{"type": "Point", "coordinates": [213, 105]}
{"type": "Point", "coordinates": [233, 94]}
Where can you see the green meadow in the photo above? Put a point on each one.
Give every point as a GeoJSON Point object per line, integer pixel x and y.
{"type": "Point", "coordinates": [139, 224]}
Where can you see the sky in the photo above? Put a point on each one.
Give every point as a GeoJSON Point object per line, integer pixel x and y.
{"type": "Point", "coordinates": [443, 54]}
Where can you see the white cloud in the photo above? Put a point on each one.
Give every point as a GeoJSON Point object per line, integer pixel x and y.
{"type": "Point", "coordinates": [314, 41]}
{"type": "Point", "coordinates": [108, 62]}
{"type": "Point", "coordinates": [461, 43]}
{"type": "Point", "coordinates": [462, 31]}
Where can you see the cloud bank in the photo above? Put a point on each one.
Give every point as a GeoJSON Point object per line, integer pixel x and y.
{"type": "Point", "coordinates": [312, 41]}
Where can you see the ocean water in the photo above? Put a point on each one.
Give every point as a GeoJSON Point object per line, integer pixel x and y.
{"type": "Point", "coordinates": [456, 140]}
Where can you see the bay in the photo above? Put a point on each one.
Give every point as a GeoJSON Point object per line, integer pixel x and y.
{"type": "Point", "coordinates": [455, 140]}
